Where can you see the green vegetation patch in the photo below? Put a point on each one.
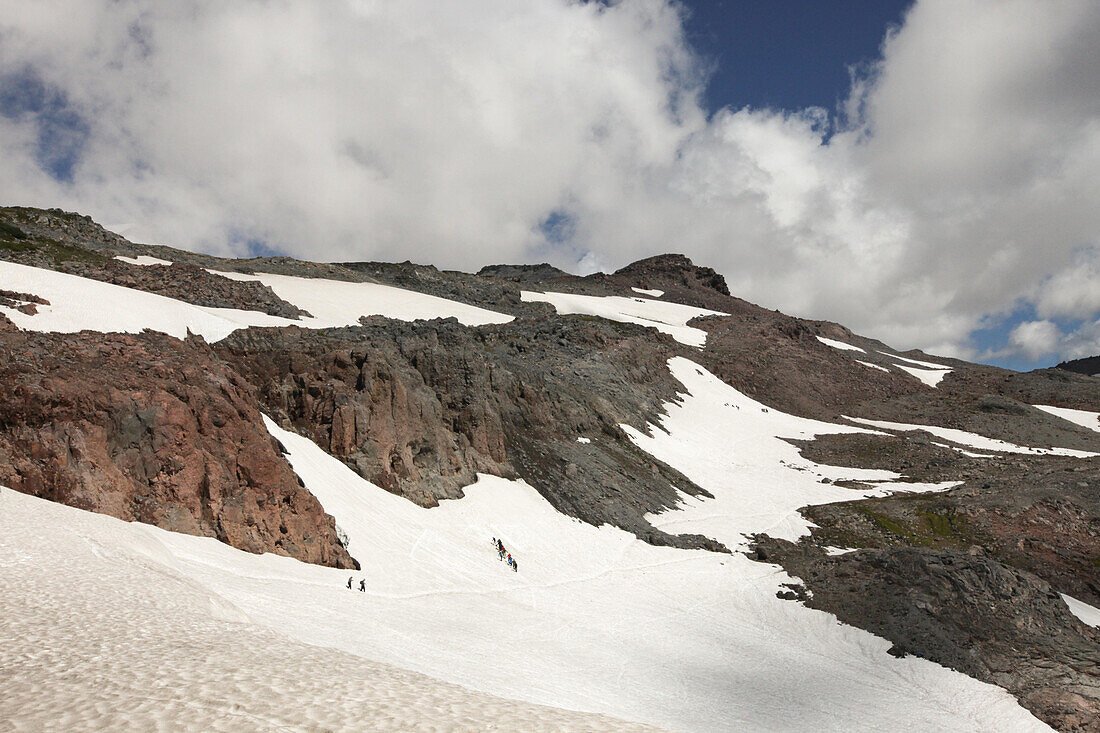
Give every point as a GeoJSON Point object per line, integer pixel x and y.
{"type": "Point", "coordinates": [10, 232]}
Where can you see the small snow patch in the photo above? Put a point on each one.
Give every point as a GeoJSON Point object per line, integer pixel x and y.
{"type": "Point", "coordinates": [973, 440]}
{"type": "Point", "coordinates": [584, 440]}
{"type": "Point", "coordinates": [1084, 418]}
{"type": "Point", "coordinates": [931, 377]}
{"type": "Point", "coordinates": [873, 366]}
{"type": "Point", "coordinates": [1088, 614]}
{"type": "Point", "coordinates": [840, 345]}
{"type": "Point", "coordinates": [144, 260]}
{"type": "Point", "coordinates": [650, 293]}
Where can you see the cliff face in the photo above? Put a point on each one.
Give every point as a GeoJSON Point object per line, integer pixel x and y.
{"type": "Point", "coordinates": [148, 428]}
{"type": "Point", "coordinates": [421, 408]}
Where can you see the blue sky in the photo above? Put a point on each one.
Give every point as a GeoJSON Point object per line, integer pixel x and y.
{"type": "Point", "coordinates": [793, 54]}
{"type": "Point", "coordinates": [788, 54]}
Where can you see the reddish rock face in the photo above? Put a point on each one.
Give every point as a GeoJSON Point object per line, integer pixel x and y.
{"type": "Point", "coordinates": [148, 428]}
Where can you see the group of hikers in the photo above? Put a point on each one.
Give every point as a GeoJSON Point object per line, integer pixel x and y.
{"type": "Point", "coordinates": [505, 555]}
{"type": "Point", "coordinates": [497, 545]}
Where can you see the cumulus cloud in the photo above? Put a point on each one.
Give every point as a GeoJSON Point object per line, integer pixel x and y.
{"type": "Point", "coordinates": [1036, 338]}
{"type": "Point", "coordinates": [959, 178]}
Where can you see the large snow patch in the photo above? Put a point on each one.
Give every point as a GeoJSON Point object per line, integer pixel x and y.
{"type": "Point", "coordinates": [334, 303]}
{"type": "Point", "coordinates": [670, 318]}
{"type": "Point", "coordinates": [734, 447]}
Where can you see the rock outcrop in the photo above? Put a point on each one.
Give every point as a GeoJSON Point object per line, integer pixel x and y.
{"type": "Point", "coordinates": [421, 408]}
{"type": "Point", "coordinates": [148, 428]}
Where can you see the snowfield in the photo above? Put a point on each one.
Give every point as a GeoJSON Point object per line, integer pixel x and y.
{"type": "Point", "coordinates": [334, 303]}
{"type": "Point", "coordinates": [733, 446]}
{"type": "Point", "coordinates": [78, 304]}
{"type": "Point", "coordinates": [670, 318]}
{"type": "Point", "coordinates": [103, 627]}
{"type": "Point", "coordinates": [1084, 418]}
{"type": "Point", "coordinates": [973, 440]}
{"type": "Point", "coordinates": [594, 620]}
{"type": "Point", "coordinates": [81, 304]}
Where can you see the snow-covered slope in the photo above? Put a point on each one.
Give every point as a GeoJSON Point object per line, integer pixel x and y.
{"type": "Point", "coordinates": [340, 303]}
{"type": "Point", "coordinates": [598, 620]}
{"type": "Point", "coordinates": [1084, 418]}
{"type": "Point", "coordinates": [594, 620]}
{"type": "Point", "coordinates": [670, 318]}
{"type": "Point", "coordinates": [78, 304]}
{"type": "Point", "coordinates": [974, 440]}
{"type": "Point", "coordinates": [733, 446]}
{"type": "Point", "coordinates": [101, 628]}
{"type": "Point", "coordinates": [1087, 613]}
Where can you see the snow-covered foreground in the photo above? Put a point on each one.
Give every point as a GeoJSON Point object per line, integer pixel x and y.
{"type": "Point", "coordinates": [78, 304]}
{"type": "Point", "coordinates": [334, 303]}
{"type": "Point", "coordinates": [670, 318]}
{"type": "Point", "coordinates": [102, 628]}
{"type": "Point", "coordinates": [974, 440]}
{"type": "Point", "coordinates": [733, 446]}
{"type": "Point", "coordinates": [594, 620]}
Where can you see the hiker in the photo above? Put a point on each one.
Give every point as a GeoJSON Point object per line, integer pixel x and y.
{"type": "Point", "coordinates": [363, 585]}
{"type": "Point", "coordinates": [515, 566]}
{"type": "Point", "coordinates": [349, 583]}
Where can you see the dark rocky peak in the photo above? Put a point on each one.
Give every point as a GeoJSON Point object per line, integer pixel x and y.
{"type": "Point", "coordinates": [1089, 366]}
{"type": "Point", "coordinates": [674, 268]}
{"type": "Point", "coordinates": [525, 273]}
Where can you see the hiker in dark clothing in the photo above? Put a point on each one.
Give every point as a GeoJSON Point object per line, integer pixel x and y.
{"type": "Point", "coordinates": [363, 585]}
{"type": "Point", "coordinates": [349, 583]}
{"type": "Point", "coordinates": [515, 566]}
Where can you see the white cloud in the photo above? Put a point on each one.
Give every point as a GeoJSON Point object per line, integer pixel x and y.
{"type": "Point", "coordinates": [1036, 338]}
{"type": "Point", "coordinates": [964, 179]}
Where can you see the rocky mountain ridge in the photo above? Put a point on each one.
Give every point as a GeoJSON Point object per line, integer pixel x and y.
{"type": "Point", "coordinates": [155, 429]}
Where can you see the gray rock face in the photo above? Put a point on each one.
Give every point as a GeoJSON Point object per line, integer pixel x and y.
{"type": "Point", "coordinates": [421, 408]}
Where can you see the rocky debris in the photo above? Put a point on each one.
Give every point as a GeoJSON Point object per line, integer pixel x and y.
{"type": "Point", "coordinates": [1089, 366]}
{"type": "Point", "coordinates": [148, 428]}
{"type": "Point", "coordinates": [421, 408]}
{"type": "Point", "coordinates": [24, 302]}
{"type": "Point", "coordinates": [965, 611]}
{"type": "Point", "coordinates": [1043, 518]}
